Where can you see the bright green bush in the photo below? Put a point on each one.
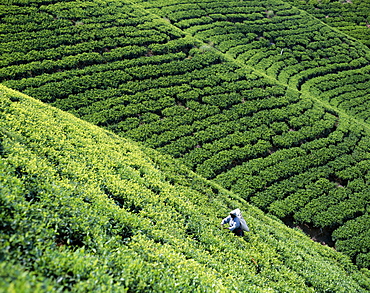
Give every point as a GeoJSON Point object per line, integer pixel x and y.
{"type": "Point", "coordinates": [261, 97]}
{"type": "Point", "coordinates": [84, 210]}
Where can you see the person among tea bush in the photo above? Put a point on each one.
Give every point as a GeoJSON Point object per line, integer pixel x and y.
{"type": "Point", "coordinates": [234, 223]}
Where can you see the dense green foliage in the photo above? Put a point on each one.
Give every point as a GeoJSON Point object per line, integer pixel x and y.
{"type": "Point", "coordinates": [283, 42]}
{"type": "Point", "coordinates": [259, 96]}
{"type": "Point", "coordinates": [85, 210]}
{"type": "Point", "coordinates": [349, 16]}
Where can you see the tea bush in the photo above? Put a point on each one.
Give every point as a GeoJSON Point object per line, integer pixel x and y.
{"type": "Point", "coordinates": [261, 97]}
{"type": "Point", "coordinates": [84, 210]}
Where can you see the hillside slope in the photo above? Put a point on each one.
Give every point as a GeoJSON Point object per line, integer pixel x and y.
{"type": "Point", "coordinates": [350, 16]}
{"type": "Point", "coordinates": [85, 210]}
{"type": "Point", "coordinates": [259, 96]}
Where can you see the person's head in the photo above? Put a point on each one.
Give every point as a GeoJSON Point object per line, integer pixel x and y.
{"type": "Point", "coordinates": [232, 215]}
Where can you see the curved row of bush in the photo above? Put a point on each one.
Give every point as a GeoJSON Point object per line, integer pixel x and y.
{"type": "Point", "coordinates": [84, 210]}
{"type": "Point", "coordinates": [353, 239]}
{"type": "Point", "coordinates": [350, 17]}
{"type": "Point", "coordinates": [218, 115]}
{"type": "Point", "coordinates": [279, 40]}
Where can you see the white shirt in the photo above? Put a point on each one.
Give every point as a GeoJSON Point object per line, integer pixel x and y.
{"type": "Point", "coordinates": [233, 222]}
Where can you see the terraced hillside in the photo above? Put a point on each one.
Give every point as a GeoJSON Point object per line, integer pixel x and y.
{"type": "Point", "coordinates": [84, 210]}
{"type": "Point", "coordinates": [282, 42]}
{"type": "Point", "coordinates": [352, 17]}
{"type": "Point", "coordinates": [261, 97]}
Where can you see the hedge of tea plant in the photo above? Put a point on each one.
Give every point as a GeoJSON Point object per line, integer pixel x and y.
{"type": "Point", "coordinates": [349, 16]}
{"type": "Point", "coordinates": [261, 97]}
{"type": "Point", "coordinates": [284, 42]}
{"type": "Point", "coordinates": [84, 210]}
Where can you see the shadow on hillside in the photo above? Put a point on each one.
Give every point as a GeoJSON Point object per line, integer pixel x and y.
{"type": "Point", "coordinates": [320, 235]}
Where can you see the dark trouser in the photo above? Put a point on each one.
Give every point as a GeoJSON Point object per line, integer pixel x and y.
{"type": "Point", "coordinates": [238, 232]}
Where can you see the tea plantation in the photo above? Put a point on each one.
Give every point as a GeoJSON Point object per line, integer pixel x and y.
{"type": "Point", "coordinates": [84, 210]}
{"type": "Point", "coordinates": [349, 16]}
{"type": "Point", "coordinates": [269, 100]}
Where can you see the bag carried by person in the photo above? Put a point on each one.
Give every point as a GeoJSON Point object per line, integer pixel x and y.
{"type": "Point", "coordinates": [243, 223]}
